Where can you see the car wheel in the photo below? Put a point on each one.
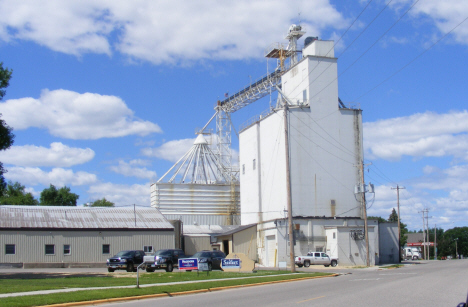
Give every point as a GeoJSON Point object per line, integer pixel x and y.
{"type": "Point", "coordinates": [306, 264]}
{"type": "Point", "coordinates": [415, 258]}
{"type": "Point", "coordinates": [169, 267]}
{"type": "Point", "coordinates": [334, 263]}
{"type": "Point", "coordinates": [130, 267]}
{"type": "Point", "coordinates": [210, 267]}
{"type": "Point", "coordinates": [110, 270]}
{"type": "Point", "coordinates": [299, 265]}
{"type": "Point", "coordinates": [326, 265]}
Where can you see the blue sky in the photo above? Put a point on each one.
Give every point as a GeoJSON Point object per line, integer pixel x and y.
{"type": "Point", "coordinates": [107, 95]}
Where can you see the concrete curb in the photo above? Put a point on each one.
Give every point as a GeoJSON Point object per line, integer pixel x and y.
{"type": "Point", "coordinates": [140, 297]}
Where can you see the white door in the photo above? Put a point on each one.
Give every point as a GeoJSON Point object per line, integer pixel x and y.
{"type": "Point", "coordinates": [271, 251]}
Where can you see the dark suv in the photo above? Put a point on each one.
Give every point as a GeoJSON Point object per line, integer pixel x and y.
{"type": "Point", "coordinates": [213, 258]}
{"type": "Point", "coordinates": [125, 260]}
{"type": "Point", "coordinates": [164, 259]}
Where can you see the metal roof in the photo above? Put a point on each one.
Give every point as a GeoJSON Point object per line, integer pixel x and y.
{"type": "Point", "coordinates": [82, 217]}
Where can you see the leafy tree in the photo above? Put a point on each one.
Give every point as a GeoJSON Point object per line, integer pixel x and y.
{"type": "Point", "coordinates": [15, 194]}
{"type": "Point", "coordinates": [102, 203]}
{"type": "Point", "coordinates": [393, 216]}
{"type": "Point", "coordinates": [61, 197]}
{"type": "Point", "coordinates": [5, 76]}
{"type": "Point", "coordinates": [446, 245]}
{"type": "Point", "coordinates": [6, 136]}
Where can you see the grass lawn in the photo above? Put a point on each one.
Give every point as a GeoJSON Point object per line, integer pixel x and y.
{"type": "Point", "coordinates": [23, 285]}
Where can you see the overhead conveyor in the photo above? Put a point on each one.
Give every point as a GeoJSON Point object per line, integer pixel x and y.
{"type": "Point", "coordinates": [252, 93]}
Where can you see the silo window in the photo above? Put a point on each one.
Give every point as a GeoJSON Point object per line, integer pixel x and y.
{"type": "Point", "coordinates": [254, 163]}
{"type": "Point", "coordinates": [243, 169]}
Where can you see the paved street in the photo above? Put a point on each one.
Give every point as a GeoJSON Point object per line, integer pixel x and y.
{"type": "Point", "coordinates": [433, 283]}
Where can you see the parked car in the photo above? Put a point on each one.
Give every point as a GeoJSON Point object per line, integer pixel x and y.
{"type": "Point", "coordinates": [164, 259]}
{"type": "Point", "coordinates": [125, 260]}
{"type": "Point", "coordinates": [315, 258]}
{"type": "Point", "coordinates": [213, 258]}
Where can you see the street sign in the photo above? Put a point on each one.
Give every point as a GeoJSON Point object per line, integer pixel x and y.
{"type": "Point", "coordinates": [188, 264]}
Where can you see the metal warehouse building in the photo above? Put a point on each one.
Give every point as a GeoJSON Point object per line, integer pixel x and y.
{"type": "Point", "coordinates": [33, 236]}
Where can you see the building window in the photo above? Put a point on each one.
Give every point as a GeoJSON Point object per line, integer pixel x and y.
{"type": "Point", "coordinates": [304, 95]}
{"type": "Point", "coordinates": [50, 249]}
{"type": "Point", "coordinates": [66, 249]}
{"type": "Point", "coordinates": [148, 249]}
{"type": "Point", "coordinates": [334, 235]}
{"type": "Point", "coordinates": [243, 169]}
{"type": "Point", "coordinates": [106, 248]}
{"type": "Point", "coordinates": [10, 249]}
{"type": "Point", "coordinates": [254, 163]}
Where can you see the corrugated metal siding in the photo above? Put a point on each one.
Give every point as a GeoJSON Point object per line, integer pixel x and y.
{"type": "Point", "coordinates": [195, 244]}
{"type": "Point", "coordinates": [82, 217]}
{"type": "Point", "coordinates": [245, 242]}
{"type": "Point", "coordinates": [218, 199]}
{"type": "Point", "coordinates": [205, 219]}
{"type": "Point", "coordinates": [86, 246]}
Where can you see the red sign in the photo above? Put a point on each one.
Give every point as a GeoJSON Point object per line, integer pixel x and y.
{"type": "Point", "coordinates": [420, 244]}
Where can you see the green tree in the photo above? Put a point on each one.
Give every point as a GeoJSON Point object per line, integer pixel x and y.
{"type": "Point", "coordinates": [102, 203]}
{"type": "Point", "coordinates": [61, 197]}
{"type": "Point", "coordinates": [393, 216]}
{"type": "Point", "coordinates": [452, 241]}
{"type": "Point", "coordinates": [5, 76]}
{"type": "Point", "coordinates": [379, 218]}
{"type": "Point", "coordinates": [6, 135]}
{"type": "Point", "coordinates": [15, 194]}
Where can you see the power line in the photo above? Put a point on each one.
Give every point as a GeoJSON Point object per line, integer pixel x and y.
{"type": "Point", "coordinates": [414, 59]}
{"type": "Point", "coordinates": [385, 33]}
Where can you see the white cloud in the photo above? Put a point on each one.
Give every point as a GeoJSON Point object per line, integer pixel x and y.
{"type": "Point", "coordinates": [72, 115]}
{"type": "Point", "coordinates": [122, 195]}
{"type": "Point", "coordinates": [58, 155]}
{"type": "Point", "coordinates": [162, 31]}
{"type": "Point", "coordinates": [57, 176]}
{"type": "Point", "coordinates": [130, 169]}
{"type": "Point", "coordinates": [171, 151]}
{"type": "Point", "coordinates": [419, 135]}
{"type": "Point", "coordinates": [446, 15]}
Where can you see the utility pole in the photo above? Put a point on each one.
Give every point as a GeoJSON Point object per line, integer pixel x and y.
{"type": "Point", "coordinates": [288, 189]}
{"type": "Point", "coordinates": [425, 234]}
{"type": "Point", "coordinates": [398, 188]}
{"type": "Point", "coordinates": [366, 229]}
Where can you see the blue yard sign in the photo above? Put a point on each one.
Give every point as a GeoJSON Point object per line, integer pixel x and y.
{"type": "Point", "coordinates": [188, 264]}
{"type": "Point", "coordinates": [231, 263]}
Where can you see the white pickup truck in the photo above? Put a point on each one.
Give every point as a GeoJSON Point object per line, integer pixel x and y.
{"type": "Point", "coordinates": [315, 258]}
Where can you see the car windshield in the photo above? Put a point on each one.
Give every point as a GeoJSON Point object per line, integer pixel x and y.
{"type": "Point", "coordinates": [201, 254]}
{"type": "Point", "coordinates": [124, 253]}
{"type": "Point", "coordinates": [162, 253]}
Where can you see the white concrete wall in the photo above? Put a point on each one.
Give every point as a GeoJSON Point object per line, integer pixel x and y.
{"type": "Point", "coordinates": [325, 148]}
{"type": "Point", "coordinates": [263, 190]}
